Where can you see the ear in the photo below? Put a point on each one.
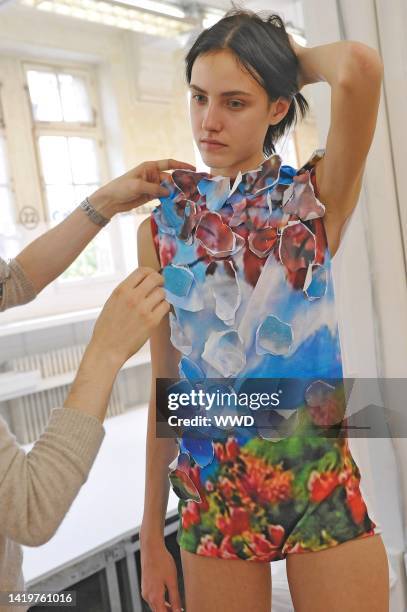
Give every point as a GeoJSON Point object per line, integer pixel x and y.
{"type": "Point", "coordinates": [278, 110]}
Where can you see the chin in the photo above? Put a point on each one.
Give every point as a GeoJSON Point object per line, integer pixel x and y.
{"type": "Point", "coordinates": [215, 159]}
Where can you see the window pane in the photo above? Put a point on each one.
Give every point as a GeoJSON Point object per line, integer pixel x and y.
{"type": "Point", "coordinates": [95, 260]}
{"type": "Point", "coordinates": [75, 99]}
{"type": "Point", "coordinates": [61, 201]}
{"type": "Point", "coordinates": [82, 191]}
{"type": "Point", "coordinates": [56, 165]}
{"type": "Point", "coordinates": [83, 160]}
{"type": "Point", "coordinates": [43, 88]}
{"type": "Point", "coordinates": [8, 229]}
{"type": "Point", "coordinates": [70, 164]}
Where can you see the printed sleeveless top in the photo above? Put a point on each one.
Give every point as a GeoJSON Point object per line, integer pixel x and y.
{"type": "Point", "coordinates": [247, 270]}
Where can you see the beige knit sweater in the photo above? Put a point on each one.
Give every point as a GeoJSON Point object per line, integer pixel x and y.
{"type": "Point", "coordinates": [15, 287]}
{"type": "Point", "coordinates": [37, 488]}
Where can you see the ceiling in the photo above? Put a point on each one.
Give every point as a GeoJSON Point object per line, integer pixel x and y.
{"type": "Point", "coordinates": [290, 11]}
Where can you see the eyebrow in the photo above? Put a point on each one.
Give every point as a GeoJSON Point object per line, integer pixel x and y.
{"type": "Point", "coordinates": [235, 92]}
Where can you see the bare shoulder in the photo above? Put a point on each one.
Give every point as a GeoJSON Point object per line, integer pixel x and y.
{"type": "Point", "coordinates": [146, 252]}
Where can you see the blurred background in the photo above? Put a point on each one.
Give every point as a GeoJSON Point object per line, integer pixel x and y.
{"type": "Point", "coordinates": [89, 89]}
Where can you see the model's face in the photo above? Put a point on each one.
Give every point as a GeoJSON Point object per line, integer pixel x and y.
{"type": "Point", "coordinates": [230, 107]}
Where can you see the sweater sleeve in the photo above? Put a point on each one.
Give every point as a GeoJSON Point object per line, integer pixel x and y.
{"type": "Point", "coordinates": [38, 487]}
{"type": "Point", "coordinates": [15, 287]}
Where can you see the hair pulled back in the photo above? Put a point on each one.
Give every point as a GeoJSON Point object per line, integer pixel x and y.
{"type": "Point", "coordinates": [263, 48]}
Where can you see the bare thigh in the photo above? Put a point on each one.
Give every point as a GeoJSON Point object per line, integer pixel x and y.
{"type": "Point", "coordinates": [225, 585]}
{"type": "Point", "coordinates": [353, 576]}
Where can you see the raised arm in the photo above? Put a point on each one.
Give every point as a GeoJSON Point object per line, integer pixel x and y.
{"type": "Point", "coordinates": [355, 72]}
{"type": "Point", "coordinates": [158, 566]}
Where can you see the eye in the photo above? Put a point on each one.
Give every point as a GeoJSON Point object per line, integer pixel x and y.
{"type": "Point", "coordinates": [196, 96]}
{"type": "Point", "coordinates": [236, 104]}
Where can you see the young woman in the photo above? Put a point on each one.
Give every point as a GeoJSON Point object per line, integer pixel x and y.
{"type": "Point", "coordinates": [246, 253]}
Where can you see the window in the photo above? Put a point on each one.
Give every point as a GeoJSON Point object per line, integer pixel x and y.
{"type": "Point", "coordinates": [68, 138]}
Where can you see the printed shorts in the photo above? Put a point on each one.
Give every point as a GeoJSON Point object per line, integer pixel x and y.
{"type": "Point", "coordinates": [261, 500]}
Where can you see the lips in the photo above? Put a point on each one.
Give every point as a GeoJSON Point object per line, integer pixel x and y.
{"type": "Point", "coordinates": [214, 142]}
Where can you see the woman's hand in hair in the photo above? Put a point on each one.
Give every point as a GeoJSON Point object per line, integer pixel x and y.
{"type": "Point", "coordinates": [303, 78]}
{"type": "Point", "coordinates": [135, 187]}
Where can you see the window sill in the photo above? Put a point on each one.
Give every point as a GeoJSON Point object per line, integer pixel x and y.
{"type": "Point", "coordinates": [19, 327]}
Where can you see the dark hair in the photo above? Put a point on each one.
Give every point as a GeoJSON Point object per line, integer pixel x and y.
{"type": "Point", "coordinates": [262, 46]}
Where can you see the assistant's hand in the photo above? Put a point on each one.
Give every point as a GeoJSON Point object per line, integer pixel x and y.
{"type": "Point", "coordinates": [130, 314]}
{"type": "Point", "coordinates": [127, 319]}
{"type": "Point", "coordinates": [135, 188]}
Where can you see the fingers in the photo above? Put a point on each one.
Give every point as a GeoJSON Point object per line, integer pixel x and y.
{"type": "Point", "coordinates": [157, 603]}
{"type": "Point", "coordinates": [154, 171]}
{"type": "Point", "coordinates": [154, 299]}
{"type": "Point", "coordinates": [148, 283]}
{"type": "Point", "coordinates": [154, 190]}
{"type": "Point", "coordinates": [172, 609]}
{"type": "Point", "coordinates": [135, 278]}
{"type": "Point", "coordinates": [174, 596]}
{"type": "Point", "coordinates": [160, 311]}
{"type": "Point", "coordinates": [143, 288]}
{"type": "Point", "coordinates": [173, 164]}
{"type": "Point", "coordinates": [155, 307]}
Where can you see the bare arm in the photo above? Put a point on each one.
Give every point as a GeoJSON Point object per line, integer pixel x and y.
{"type": "Point", "coordinates": [159, 451]}
{"type": "Point", "coordinates": [44, 259]}
{"type": "Point", "coordinates": [158, 569]}
{"type": "Point", "coordinates": [49, 255]}
{"type": "Point", "coordinates": [355, 72]}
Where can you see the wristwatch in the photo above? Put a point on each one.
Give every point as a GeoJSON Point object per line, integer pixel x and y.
{"type": "Point", "coordinates": [93, 214]}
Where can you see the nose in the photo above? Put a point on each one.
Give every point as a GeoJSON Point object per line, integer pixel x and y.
{"type": "Point", "coordinates": [211, 119]}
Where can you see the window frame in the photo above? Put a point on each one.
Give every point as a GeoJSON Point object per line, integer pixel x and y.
{"type": "Point", "coordinates": [94, 130]}
{"type": "Point", "coordinates": [72, 296]}
{"type": "Point", "coordinates": [9, 185]}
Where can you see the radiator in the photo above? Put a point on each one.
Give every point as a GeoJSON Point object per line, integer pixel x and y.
{"type": "Point", "coordinates": [29, 414]}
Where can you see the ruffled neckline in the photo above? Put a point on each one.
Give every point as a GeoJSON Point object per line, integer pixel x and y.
{"type": "Point", "coordinates": [271, 195]}
{"type": "Point", "coordinates": [218, 190]}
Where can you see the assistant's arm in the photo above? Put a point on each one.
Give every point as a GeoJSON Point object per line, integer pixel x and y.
{"type": "Point", "coordinates": [37, 488]}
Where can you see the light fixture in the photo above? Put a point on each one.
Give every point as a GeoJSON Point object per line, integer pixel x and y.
{"type": "Point", "coordinates": [121, 14]}
{"type": "Point", "coordinates": [211, 17]}
{"type": "Point", "coordinates": [154, 6]}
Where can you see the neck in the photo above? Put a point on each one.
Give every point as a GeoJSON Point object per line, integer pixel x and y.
{"type": "Point", "coordinates": [243, 166]}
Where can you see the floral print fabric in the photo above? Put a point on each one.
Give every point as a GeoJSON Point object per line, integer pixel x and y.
{"type": "Point", "coordinates": [247, 270]}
